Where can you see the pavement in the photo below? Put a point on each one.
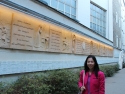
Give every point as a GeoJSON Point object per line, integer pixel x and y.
{"type": "Point", "coordinates": [116, 83]}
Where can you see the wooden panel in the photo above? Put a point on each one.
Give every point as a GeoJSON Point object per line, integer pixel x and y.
{"type": "Point", "coordinates": [55, 40]}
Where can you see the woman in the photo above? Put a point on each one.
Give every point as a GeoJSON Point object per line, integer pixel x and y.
{"type": "Point", "coordinates": [94, 79]}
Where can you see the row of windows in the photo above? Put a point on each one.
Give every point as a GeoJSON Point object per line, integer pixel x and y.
{"type": "Point", "coordinates": [97, 9]}
{"type": "Point", "coordinates": [67, 7]}
{"type": "Point", "coordinates": [97, 15]}
{"type": "Point", "coordinates": [99, 29]}
{"type": "Point", "coordinates": [97, 20]}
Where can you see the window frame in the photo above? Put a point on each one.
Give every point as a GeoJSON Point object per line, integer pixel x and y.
{"type": "Point", "coordinates": [71, 15]}
{"type": "Point", "coordinates": [97, 17]}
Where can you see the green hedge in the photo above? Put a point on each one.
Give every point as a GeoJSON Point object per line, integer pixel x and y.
{"type": "Point", "coordinates": [51, 82]}
{"type": "Point", "coordinates": [109, 70]}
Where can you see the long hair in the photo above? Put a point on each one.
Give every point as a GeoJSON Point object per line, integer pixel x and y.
{"type": "Point", "coordinates": [96, 66]}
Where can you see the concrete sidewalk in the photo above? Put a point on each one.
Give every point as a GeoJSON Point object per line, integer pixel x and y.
{"type": "Point", "coordinates": [116, 84]}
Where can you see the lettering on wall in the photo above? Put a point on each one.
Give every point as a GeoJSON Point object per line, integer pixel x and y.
{"type": "Point", "coordinates": [22, 33]}
{"type": "Point", "coordinates": [95, 49]}
{"type": "Point", "coordinates": [79, 47]}
{"type": "Point", "coordinates": [87, 47]}
{"type": "Point", "coordinates": [18, 31]}
{"type": "Point", "coordinates": [55, 40]}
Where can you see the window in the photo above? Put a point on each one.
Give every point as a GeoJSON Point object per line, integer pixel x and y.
{"type": "Point", "coordinates": [67, 7]}
{"type": "Point", "coordinates": [98, 20]}
{"type": "Point", "coordinates": [54, 3]}
{"type": "Point", "coordinates": [48, 1]}
{"type": "Point", "coordinates": [61, 7]}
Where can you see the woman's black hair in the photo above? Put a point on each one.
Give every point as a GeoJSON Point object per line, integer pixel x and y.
{"type": "Point", "coordinates": [96, 67]}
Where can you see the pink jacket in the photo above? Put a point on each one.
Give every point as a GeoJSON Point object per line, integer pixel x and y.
{"type": "Point", "coordinates": [97, 85]}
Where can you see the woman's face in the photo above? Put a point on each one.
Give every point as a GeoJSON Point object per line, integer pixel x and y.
{"type": "Point", "coordinates": [90, 63]}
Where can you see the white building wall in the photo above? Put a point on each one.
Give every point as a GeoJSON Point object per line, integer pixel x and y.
{"type": "Point", "coordinates": [19, 61]}
{"type": "Point", "coordinates": [58, 17]}
{"type": "Point", "coordinates": [83, 14]}
{"type": "Point", "coordinates": [107, 5]}
{"type": "Point", "coordinates": [123, 24]}
{"type": "Point", "coordinates": [27, 61]}
{"type": "Point", "coordinates": [110, 21]}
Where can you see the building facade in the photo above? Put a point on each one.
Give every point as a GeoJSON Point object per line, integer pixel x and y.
{"type": "Point", "coordinates": [123, 22]}
{"type": "Point", "coordinates": [38, 35]}
{"type": "Point", "coordinates": [117, 24]}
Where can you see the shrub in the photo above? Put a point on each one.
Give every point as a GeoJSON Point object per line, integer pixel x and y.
{"type": "Point", "coordinates": [51, 82]}
{"type": "Point", "coordinates": [62, 82]}
{"type": "Point", "coordinates": [109, 70]}
{"type": "Point", "coordinates": [29, 85]}
{"type": "Point", "coordinates": [55, 82]}
{"type": "Point", "coordinates": [1, 87]}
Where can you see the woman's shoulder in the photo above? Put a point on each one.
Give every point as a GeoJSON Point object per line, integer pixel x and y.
{"type": "Point", "coordinates": [81, 72]}
{"type": "Point", "coordinates": [101, 73]}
